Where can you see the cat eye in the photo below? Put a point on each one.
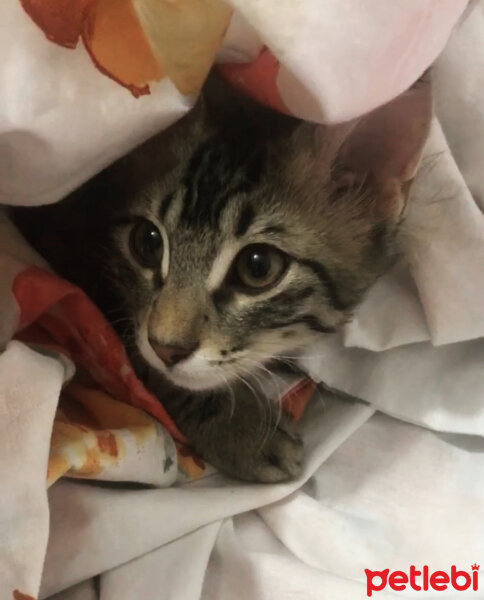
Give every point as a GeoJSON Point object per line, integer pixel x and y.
{"type": "Point", "coordinates": [259, 266]}
{"type": "Point", "coordinates": [146, 244]}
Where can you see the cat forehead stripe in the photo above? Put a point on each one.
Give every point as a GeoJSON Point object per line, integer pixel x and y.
{"type": "Point", "coordinates": [245, 220]}
{"type": "Point", "coordinates": [165, 205]}
{"type": "Point", "coordinates": [217, 173]}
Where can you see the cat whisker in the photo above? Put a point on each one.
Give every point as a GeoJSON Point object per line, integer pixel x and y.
{"type": "Point", "coordinates": [275, 378]}
{"type": "Point", "coordinates": [280, 384]}
{"type": "Point", "coordinates": [267, 404]}
{"type": "Point", "coordinates": [230, 390]}
{"type": "Point", "coordinates": [298, 356]}
{"type": "Point", "coordinates": [264, 410]}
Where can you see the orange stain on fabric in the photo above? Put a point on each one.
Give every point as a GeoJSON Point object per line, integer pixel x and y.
{"type": "Point", "coordinates": [185, 36]}
{"type": "Point", "coordinates": [89, 432]}
{"type": "Point", "coordinates": [138, 42]}
{"type": "Point", "coordinates": [100, 409]}
{"type": "Point", "coordinates": [21, 596]}
{"type": "Point", "coordinates": [78, 451]}
{"type": "Point", "coordinates": [118, 46]}
{"type": "Point", "coordinates": [96, 409]}
{"type": "Point", "coordinates": [107, 443]}
{"type": "Point", "coordinates": [80, 446]}
{"type": "Point", "coordinates": [190, 462]}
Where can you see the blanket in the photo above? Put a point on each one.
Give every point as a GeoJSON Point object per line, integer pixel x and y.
{"type": "Point", "coordinates": [94, 82]}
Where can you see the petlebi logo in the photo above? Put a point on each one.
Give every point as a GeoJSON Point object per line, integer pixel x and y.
{"type": "Point", "coordinates": [422, 579]}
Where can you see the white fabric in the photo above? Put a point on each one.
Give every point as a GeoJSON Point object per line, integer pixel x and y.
{"type": "Point", "coordinates": [61, 120]}
{"type": "Point", "coordinates": [361, 55]}
{"type": "Point", "coordinates": [27, 407]}
{"type": "Point", "coordinates": [152, 518]}
{"type": "Point", "coordinates": [390, 496]}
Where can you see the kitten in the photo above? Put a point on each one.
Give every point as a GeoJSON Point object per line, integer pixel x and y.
{"type": "Point", "coordinates": [236, 237]}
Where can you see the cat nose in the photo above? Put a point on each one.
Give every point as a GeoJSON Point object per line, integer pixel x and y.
{"type": "Point", "coordinates": [171, 355]}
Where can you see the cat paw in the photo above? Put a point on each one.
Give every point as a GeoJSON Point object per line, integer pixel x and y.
{"type": "Point", "coordinates": [280, 459]}
{"type": "Point", "coordinates": [240, 455]}
{"type": "Point", "coordinates": [242, 445]}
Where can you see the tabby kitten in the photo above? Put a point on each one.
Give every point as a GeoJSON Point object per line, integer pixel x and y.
{"type": "Point", "coordinates": [236, 237]}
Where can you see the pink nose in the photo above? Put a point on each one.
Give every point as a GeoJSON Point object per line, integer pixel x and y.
{"type": "Point", "coordinates": [171, 355]}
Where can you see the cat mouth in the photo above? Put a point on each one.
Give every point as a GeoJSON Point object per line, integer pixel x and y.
{"type": "Point", "coordinates": [211, 376]}
{"type": "Point", "coordinates": [198, 373]}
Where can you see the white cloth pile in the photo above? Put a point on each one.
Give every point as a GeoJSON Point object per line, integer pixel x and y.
{"type": "Point", "coordinates": [379, 491]}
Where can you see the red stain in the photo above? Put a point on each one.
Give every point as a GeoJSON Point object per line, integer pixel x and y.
{"type": "Point", "coordinates": [258, 79]}
{"type": "Point", "coordinates": [296, 399]}
{"type": "Point", "coordinates": [60, 20]}
{"type": "Point", "coordinates": [56, 314]}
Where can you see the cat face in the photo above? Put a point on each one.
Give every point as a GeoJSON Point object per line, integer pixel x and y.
{"type": "Point", "coordinates": [234, 265]}
{"type": "Point", "coordinates": [216, 248]}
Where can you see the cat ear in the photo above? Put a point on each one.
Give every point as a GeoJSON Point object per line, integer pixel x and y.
{"type": "Point", "coordinates": [384, 147]}
{"type": "Point", "coordinates": [388, 142]}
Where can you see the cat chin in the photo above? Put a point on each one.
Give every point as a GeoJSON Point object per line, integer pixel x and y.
{"type": "Point", "coordinates": [194, 383]}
